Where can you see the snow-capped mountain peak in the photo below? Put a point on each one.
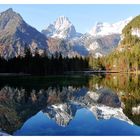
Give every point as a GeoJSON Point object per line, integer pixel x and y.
{"type": "Point", "coordinates": [102, 29]}
{"type": "Point", "coordinates": [61, 28]}
{"type": "Point", "coordinates": [62, 22]}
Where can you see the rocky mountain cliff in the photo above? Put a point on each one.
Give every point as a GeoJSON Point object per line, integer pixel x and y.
{"type": "Point", "coordinates": [96, 46]}
{"type": "Point", "coordinates": [61, 28]}
{"type": "Point", "coordinates": [16, 34]}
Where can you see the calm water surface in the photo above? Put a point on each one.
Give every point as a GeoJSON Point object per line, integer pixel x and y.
{"type": "Point", "coordinates": [95, 105]}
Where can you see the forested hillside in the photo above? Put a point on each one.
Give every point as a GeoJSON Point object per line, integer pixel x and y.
{"type": "Point", "coordinates": [126, 57]}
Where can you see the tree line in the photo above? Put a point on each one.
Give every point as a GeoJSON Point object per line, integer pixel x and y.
{"type": "Point", "coordinates": [43, 65]}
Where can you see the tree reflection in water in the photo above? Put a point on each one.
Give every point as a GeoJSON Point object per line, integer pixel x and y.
{"type": "Point", "coordinates": [106, 96]}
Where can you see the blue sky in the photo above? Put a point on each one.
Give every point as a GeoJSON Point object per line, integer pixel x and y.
{"type": "Point", "coordinates": [82, 16]}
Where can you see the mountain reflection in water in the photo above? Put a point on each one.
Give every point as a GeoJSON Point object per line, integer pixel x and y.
{"type": "Point", "coordinates": [112, 96]}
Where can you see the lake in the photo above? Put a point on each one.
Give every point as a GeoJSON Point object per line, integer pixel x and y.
{"type": "Point", "coordinates": [96, 105]}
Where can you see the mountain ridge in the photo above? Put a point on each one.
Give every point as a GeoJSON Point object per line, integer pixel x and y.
{"type": "Point", "coordinates": [16, 35]}
{"type": "Point", "coordinates": [61, 37]}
